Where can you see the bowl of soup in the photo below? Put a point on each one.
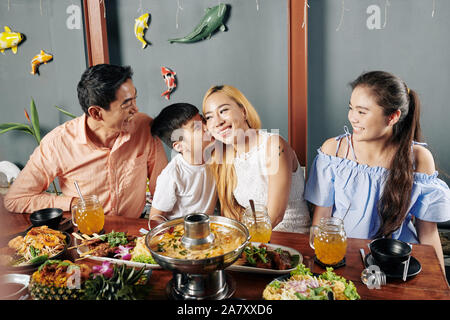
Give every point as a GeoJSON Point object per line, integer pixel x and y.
{"type": "Point", "coordinates": [13, 286]}
{"type": "Point", "coordinates": [226, 239]}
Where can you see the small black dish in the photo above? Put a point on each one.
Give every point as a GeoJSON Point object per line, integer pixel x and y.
{"type": "Point", "coordinates": [335, 266]}
{"type": "Point", "coordinates": [389, 252]}
{"type": "Point", "coordinates": [50, 217]}
{"type": "Point", "coordinates": [65, 225]}
{"type": "Point", "coordinates": [396, 272]}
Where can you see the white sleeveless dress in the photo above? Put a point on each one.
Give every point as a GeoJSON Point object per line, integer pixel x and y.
{"type": "Point", "coordinates": [253, 183]}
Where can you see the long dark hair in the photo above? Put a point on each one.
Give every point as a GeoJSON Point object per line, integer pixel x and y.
{"type": "Point", "coordinates": [392, 94]}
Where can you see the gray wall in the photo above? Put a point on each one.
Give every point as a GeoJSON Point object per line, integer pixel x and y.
{"type": "Point", "coordinates": [413, 45]}
{"type": "Point", "coordinates": [56, 84]}
{"type": "Point", "coordinates": [251, 55]}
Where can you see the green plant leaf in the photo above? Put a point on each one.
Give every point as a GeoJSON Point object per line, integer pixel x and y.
{"type": "Point", "coordinates": [11, 124]}
{"type": "Point", "coordinates": [5, 127]}
{"type": "Point", "coordinates": [35, 121]}
{"type": "Point", "coordinates": [67, 113]}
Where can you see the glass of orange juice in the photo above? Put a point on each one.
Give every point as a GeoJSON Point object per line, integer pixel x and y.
{"type": "Point", "coordinates": [329, 240]}
{"type": "Point", "coordinates": [260, 229]}
{"type": "Point", "coordinates": [88, 215]}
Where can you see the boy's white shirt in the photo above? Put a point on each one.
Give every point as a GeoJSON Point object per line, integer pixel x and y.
{"type": "Point", "coordinates": [182, 188]}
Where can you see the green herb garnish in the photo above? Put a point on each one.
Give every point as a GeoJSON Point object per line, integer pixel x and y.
{"type": "Point", "coordinates": [115, 239]}
{"type": "Point", "coordinates": [161, 247]}
{"type": "Point", "coordinates": [301, 269]}
{"type": "Point", "coordinates": [34, 252]}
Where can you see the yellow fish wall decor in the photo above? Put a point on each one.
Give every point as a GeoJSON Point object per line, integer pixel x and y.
{"type": "Point", "coordinates": [140, 25]}
{"type": "Point", "coordinates": [9, 39]}
{"type": "Point", "coordinates": [42, 57]}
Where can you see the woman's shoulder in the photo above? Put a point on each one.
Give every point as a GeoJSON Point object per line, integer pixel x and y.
{"type": "Point", "coordinates": [329, 146]}
{"type": "Point", "coordinates": [423, 160]}
{"type": "Point", "coordinates": [276, 145]}
{"type": "Point", "coordinates": [274, 139]}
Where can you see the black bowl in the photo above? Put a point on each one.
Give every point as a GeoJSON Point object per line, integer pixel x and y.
{"type": "Point", "coordinates": [50, 217]}
{"type": "Point", "coordinates": [389, 252]}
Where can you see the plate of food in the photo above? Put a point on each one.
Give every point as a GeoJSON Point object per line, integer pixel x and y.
{"type": "Point", "coordinates": [266, 258]}
{"type": "Point", "coordinates": [65, 280]}
{"type": "Point", "coordinates": [29, 249]}
{"type": "Point", "coordinates": [118, 248]}
{"type": "Point", "coordinates": [302, 284]}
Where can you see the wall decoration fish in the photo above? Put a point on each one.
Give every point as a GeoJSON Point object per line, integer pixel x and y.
{"type": "Point", "coordinates": [212, 20]}
{"type": "Point", "coordinates": [169, 78]}
{"type": "Point", "coordinates": [9, 39]}
{"type": "Point", "coordinates": [140, 24]}
{"type": "Point", "coordinates": [42, 57]}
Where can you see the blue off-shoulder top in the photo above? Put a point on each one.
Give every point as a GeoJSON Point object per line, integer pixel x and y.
{"type": "Point", "coordinates": [354, 190]}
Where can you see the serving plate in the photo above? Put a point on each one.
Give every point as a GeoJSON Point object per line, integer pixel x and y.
{"type": "Point", "coordinates": [397, 272]}
{"type": "Point", "coordinates": [19, 280]}
{"type": "Point", "coordinates": [286, 277]}
{"type": "Point", "coordinates": [32, 267]}
{"type": "Point", "coordinates": [128, 263]}
{"type": "Point", "coordinates": [293, 252]}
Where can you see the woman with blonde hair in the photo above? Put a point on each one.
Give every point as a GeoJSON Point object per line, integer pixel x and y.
{"type": "Point", "coordinates": [251, 164]}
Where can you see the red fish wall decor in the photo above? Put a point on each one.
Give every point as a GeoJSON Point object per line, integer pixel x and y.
{"type": "Point", "coordinates": [169, 79]}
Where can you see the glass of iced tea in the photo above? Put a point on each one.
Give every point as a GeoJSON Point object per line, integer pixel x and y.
{"type": "Point", "coordinates": [88, 215]}
{"type": "Point", "coordinates": [260, 229]}
{"type": "Point", "coordinates": [329, 240]}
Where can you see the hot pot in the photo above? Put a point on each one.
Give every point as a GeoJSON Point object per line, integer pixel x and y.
{"type": "Point", "coordinates": [202, 278]}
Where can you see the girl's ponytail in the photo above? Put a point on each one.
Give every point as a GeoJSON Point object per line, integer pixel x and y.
{"type": "Point", "coordinates": [394, 203]}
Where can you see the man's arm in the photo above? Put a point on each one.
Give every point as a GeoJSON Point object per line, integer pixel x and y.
{"type": "Point", "coordinates": [27, 193]}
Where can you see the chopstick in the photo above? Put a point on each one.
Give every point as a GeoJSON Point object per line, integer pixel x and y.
{"type": "Point", "coordinates": [86, 253]}
{"type": "Point", "coordinates": [77, 236]}
{"type": "Point", "coordinates": [82, 258]}
{"type": "Point", "coordinates": [363, 256]}
{"type": "Point", "coordinates": [406, 267]}
{"type": "Point", "coordinates": [83, 237]}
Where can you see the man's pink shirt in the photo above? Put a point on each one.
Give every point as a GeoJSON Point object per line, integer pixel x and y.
{"type": "Point", "coordinates": [117, 176]}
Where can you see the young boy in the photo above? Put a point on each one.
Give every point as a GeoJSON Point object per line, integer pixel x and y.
{"type": "Point", "coordinates": [185, 185]}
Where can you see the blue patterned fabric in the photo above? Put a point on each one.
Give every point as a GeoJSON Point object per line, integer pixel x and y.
{"type": "Point", "coordinates": [343, 183]}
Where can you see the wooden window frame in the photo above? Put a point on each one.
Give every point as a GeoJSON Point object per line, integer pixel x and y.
{"type": "Point", "coordinates": [97, 47]}
{"type": "Point", "coordinates": [298, 78]}
{"type": "Point", "coordinates": [96, 33]}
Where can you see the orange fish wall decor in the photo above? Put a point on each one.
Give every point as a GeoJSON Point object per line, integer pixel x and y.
{"type": "Point", "coordinates": [42, 57]}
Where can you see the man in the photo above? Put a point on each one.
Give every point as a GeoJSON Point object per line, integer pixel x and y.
{"type": "Point", "coordinates": [108, 151]}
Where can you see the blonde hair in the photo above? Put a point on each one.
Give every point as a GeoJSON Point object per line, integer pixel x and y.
{"type": "Point", "coordinates": [221, 165]}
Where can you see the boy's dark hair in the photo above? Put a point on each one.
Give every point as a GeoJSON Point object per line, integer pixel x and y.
{"type": "Point", "coordinates": [99, 84]}
{"type": "Point", "coordinates": [172, 118]}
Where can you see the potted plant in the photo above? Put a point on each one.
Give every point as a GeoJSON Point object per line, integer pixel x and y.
{"type": "Point", "coordinates": [32, 128]}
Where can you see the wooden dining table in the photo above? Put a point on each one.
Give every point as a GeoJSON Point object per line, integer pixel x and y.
{"type": "Point", "coordinates": [429, 284]}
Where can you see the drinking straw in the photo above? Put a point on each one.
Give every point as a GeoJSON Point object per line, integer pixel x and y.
{"type": "Point", "coordinates": [252, 206]}
{"type": "Point", "coordinates": [79, 191]}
